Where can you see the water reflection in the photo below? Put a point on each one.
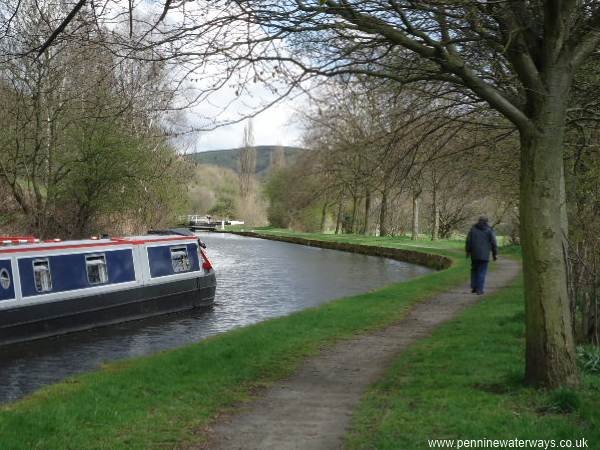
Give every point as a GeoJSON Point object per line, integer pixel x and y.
{"type": "Point", "coordinates": [257, 279]}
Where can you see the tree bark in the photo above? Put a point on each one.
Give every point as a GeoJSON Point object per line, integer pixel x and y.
{"type": "Point", "coordinates": [323, 216]}
{"type": "Point", "coordinates": [383, 212]}
{"type": "Point", "coordinates": [415, 217]}
{"type": "Point", "coordinates": [550, 348]}
{"type": "Point", "coordinates": [338, 219]}
{"type": "Point", "coordinates": [365, 229]}
{"type": "Point", "coordinates": [435, 232]}
{"type": "Point", "coordinates": [354, 213]}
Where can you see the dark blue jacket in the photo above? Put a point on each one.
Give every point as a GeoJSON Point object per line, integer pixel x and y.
{"type": "Point", "coordinates": [481, 240]}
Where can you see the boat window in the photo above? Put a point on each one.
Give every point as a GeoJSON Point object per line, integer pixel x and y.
{"type": "Point", "coordinates": [97, 271]}
{"type": "Point", "coordinates": [4, 279]}
{"type": "Point", "coordinates": [180, 259]}
{"type": "Point", "coordinates": [42, 275]}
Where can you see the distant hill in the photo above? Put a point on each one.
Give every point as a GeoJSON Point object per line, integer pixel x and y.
{"type": "Point", "coordinates": [229, 157]}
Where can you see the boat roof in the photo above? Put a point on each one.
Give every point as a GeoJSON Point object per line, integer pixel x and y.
{"type": "Point", "coordinates": [91, 243]}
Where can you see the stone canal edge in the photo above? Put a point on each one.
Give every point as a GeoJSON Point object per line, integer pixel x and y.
{"type": "Point", "coordinates": [437, 262]}
{"type": "Point", "coordinates": [312, 409]}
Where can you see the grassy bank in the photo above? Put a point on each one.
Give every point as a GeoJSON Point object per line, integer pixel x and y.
{"type": "Point", "coordinates": [444, 246]}
{"type": "Point", "coordinates": [465, 382]}
{"type": "Point", "coordinates": [163, 400]}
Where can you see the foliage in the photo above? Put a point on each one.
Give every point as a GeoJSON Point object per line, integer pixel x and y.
{"type": "Point", "coordinates": [211, 189]}
{"type": "Point", "coordinates": [247, 163]}
{"type": "Point", "coordinates": [214, 190]}
{"type": "Point", "coordinates": [80, 150]}
{"type": "Point", "coordinates": [276, 190]}
{"type": "Point", "coordinates": [589, 358]}
{"type": "Point", "coordinates": [293, 194]}
{"type": "Point", "coordinates": [224, 207]}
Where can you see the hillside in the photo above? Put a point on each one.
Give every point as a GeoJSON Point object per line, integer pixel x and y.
{"type": "Point", "coordinates": [228, 158]}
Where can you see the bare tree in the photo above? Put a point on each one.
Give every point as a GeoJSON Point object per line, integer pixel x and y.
{"type": "Point", "coordinates": [277, 159]}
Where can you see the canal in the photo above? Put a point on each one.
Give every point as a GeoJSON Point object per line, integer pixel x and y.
{"type": "Point", "coordinates": [257, 280]}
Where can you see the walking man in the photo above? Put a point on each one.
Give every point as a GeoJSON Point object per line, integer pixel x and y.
{"type": "Point", "coordinates": [481, 240]}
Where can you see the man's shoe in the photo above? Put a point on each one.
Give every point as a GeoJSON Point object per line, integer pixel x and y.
{"type": "Point", "coordinates": [473, 291]}
{"type": "Point", "coordinates": [479, 292]}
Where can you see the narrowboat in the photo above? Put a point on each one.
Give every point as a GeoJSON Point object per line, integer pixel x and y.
{"type": "Point", "coordinates": [55, 287]}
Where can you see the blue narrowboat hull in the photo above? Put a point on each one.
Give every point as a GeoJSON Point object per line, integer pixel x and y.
{"type": "Point", "coordinates": [81, 313]}
{"type": "Point", "coordinates": [51, 288]}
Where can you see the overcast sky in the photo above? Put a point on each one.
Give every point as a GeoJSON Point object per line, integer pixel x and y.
{"type": "Point", "coordinates": [275, 126]}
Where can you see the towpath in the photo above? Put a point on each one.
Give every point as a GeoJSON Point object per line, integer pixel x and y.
{"type": "Point", "coordinates": [312, 409]}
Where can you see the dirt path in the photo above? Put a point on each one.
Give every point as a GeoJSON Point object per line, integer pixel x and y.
{"type": "Point", "coordinates": [312, 409]}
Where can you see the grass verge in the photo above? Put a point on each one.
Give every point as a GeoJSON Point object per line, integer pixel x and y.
{"type": "Point", "coordinates": [163, 400]}
{"type": "Point", "coordinates": [423, 244]}
{"type": "Point", "coordinates": [465, 382]}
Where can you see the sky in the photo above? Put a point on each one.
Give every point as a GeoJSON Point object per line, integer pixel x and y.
{"type": "Point", "coordinates": [275, 126]}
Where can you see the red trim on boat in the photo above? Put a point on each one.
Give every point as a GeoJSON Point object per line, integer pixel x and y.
{"type": "Point", "coordinates": [206, 265]}
{"type": "Point", "coordinates": [57, 247]}
{"type": "Point", "coordinates": [19, 239]}
{"type": "Point", "coordinates": [114, 241]}
{"type": "Point", "coordinates": [146, 241]}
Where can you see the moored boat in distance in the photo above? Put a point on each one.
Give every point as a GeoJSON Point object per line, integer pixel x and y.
{"type": "Point", "coordinates": [55, 287]}
{"type": "Point", "coordinates": [195, 222]}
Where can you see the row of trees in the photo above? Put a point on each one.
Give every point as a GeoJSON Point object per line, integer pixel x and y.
{"type": "Point", "coordinates": [384, 161]}
{"type": "Point", "coordinates": [389, 161]}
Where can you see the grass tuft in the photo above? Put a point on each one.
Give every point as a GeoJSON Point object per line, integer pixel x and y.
{"type": "Point", "coordinates": [589, 358]}
{"type": "Point", "coordinates": [564, 401]}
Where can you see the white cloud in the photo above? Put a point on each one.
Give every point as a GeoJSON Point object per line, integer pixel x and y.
{"type": "Point", "coordinates": [275, 126]}
{"type": "Point", "coordinates": [241, 94]}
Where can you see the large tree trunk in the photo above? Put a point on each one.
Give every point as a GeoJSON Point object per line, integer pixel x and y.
{"type": "Point", "coordinates": [550, 349]}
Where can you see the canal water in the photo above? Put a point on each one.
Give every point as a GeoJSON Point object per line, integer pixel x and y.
{"type": "Point", "coordinates": [257, 279]}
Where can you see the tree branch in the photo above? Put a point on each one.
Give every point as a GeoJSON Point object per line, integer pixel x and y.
{"type": "Point", "coordinates": [60, 28]}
